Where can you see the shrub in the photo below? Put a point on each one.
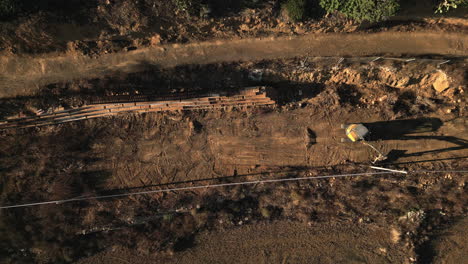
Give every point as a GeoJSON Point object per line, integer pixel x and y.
{"type": "Point", "coordinates": [265, 212]}
{"type": "Point", "coordinates": [191, 7]}
{"type": "Point", "coordinates": [296, 9]}
{"type": "Point", "coordinates": [330, 5]}
{"type": "Point", "coordinates": [446, 5]}
{"type": "Point", "coordinates": [372, 10]}
{"type": "Point", "coordinates": [8, 8]}
{"type": "Point", "coordinates": [297, 196]}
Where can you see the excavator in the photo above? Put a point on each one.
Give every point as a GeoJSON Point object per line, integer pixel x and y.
{"type": "Point", "coordinates": [359, 133]}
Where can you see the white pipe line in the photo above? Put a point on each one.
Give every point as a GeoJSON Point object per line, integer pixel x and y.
{"type": "Point", "coordinates": [214, 186]}
{"type": "Point", "coordinates": [385, 169]}
{"type": "Point", "coordinates": [193, 188]}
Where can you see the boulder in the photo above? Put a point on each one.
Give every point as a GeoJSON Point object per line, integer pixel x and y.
{"type": "Point", "coordinates": [441, 82]}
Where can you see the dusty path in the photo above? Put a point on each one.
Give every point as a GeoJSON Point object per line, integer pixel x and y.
{"type": "Point", "coordinates": [281, 242]}
{"type": "Point", "coordinates": [22, 75]}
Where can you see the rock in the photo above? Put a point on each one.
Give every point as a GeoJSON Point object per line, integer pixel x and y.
{"type": "Point", "coordinates": [441, 82]}
{"type": "Point", "coordinates": [381, 99]}
{"type": "Point", "coordinates": [299, 30]}
{"type": "Point", "coordinates": [244, 27]}
{"type": "Point", "coordinates": [402, 83]}
{"type": "Point", "coordinates": [155, 40]}
{"type": "Point", "coordinates": [395, 235]}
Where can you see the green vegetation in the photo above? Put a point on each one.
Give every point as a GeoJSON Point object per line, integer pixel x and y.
{"type": "Point", "coordinates": [297, 196]}
{"type": "Point", "coordinates": [446, 5]}
{"type": "Point", "coordinates": [296, 9]}
{"type": "Point", "coordinates": [371, 10]}
{"type": "Point", "coordinates": [265, 212]}
{"type": "Point", "coordinates": [189, 6]}
{"type": "Point", "coordinates": [330, 5]}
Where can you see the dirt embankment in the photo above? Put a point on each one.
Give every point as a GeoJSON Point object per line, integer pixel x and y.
{"type": "Point", "coordinates": [22, 75]}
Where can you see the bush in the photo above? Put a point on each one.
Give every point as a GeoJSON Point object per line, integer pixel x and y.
{"type": "Point", "coordinates": [8, 8]}
{"type": "Point", "coordinates": [371, 10]}
{"type": "Point", "coordinates": [330, 5]}
{"type": "Point", "coordinates": [446, 5]}
{"type": "Point", "coordinates": [265, 212]}
{"type": "Point", "coordinates": [191, 7]}
{"type": "Point", "coordinates": [296, 9]}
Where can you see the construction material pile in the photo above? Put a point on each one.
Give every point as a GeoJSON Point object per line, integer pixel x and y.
{"type": "Point", "coordinates": [251, 96]}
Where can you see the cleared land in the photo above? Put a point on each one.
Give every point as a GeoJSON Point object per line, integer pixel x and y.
{"type": "Point", "coordinates": [417, 112]}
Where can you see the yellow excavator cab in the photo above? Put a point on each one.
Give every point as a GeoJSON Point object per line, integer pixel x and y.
{"type": "Point", "coordinates": [356, 132]}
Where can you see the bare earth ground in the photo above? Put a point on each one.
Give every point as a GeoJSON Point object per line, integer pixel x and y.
{"type": "Point", "coordinates": [296, 138]}
{"type": "Point", "coordinates": [292, 242]}
{"type": "Point", "coordinates": [417, 111]}
{"type": "Point", "coordinates": [284, 242]}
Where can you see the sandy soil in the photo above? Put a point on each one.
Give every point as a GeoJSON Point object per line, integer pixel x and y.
{"type": "Point", "coordinates": [449, 246]}
{"type": "Point", "coordinates": [22, 75]}
{"type": "Point", "coordinates": [282, 242]}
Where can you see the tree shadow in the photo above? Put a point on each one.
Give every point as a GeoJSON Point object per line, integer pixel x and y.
{"type": "Point", "coordinates": [349, 94]}
{"type": "Point", "coordinates": [284, 91]}
{"type": "Point", "coordinates": [396, 129]}
{"type": "Point", "coordinates": [411, 129]}
{"type": "Point", "coordinates": [222, 8]}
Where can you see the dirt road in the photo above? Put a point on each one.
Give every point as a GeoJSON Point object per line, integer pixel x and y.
{"type": "Point", "coordinates": [282, 242]}
{"type": "Point", "coordinates": [22, 75]}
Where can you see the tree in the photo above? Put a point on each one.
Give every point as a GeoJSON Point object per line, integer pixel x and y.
{"type": "Point", "coordinates": [371, 10]}
{"type": "Point", "coordinates": [8, 8]}
{"type": "Point", "coordinates": [296, 9]}
{"type": "Point", "coordinates": [446, 5]}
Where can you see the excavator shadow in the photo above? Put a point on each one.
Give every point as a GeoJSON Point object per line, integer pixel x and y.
{"type": "Point", "coordinates": [412, 129]}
